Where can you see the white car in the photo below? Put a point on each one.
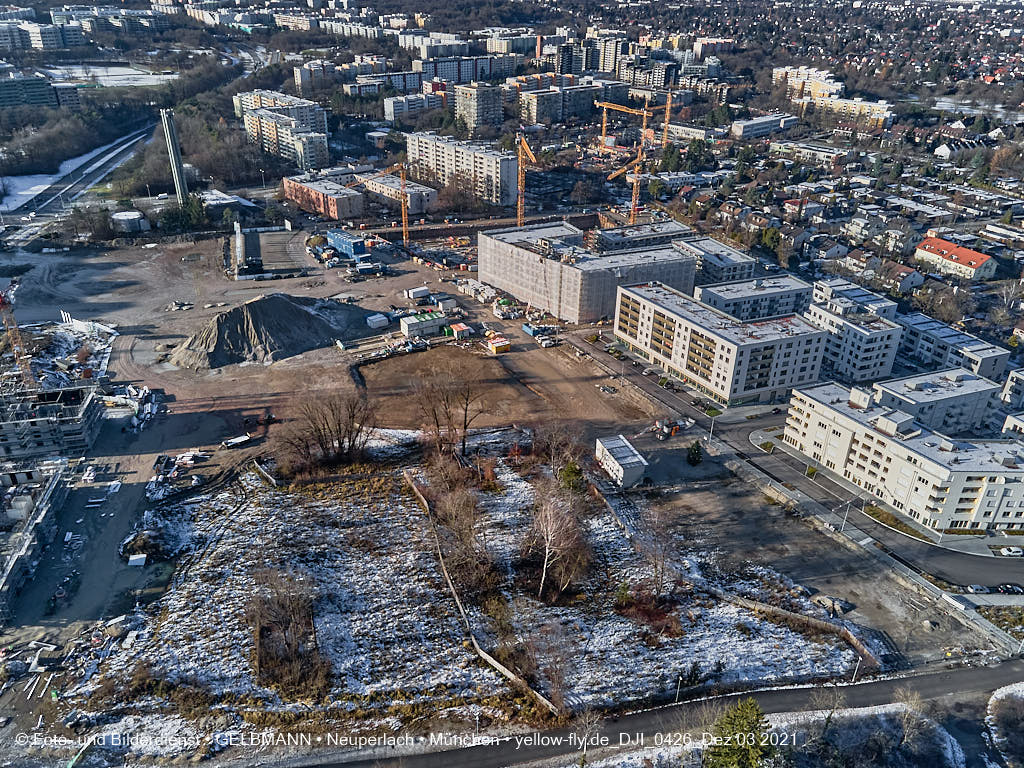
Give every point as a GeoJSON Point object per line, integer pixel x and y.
{"type": "Point", "coordinates": [1011, 552]}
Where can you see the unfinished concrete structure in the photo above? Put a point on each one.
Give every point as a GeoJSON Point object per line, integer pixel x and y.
{"type": "Point", "coordinates": [551, 266]}
{"type": "Point", "coordinates": [37, 423]}
{"type": "Point", "coordinates": [31, 496]}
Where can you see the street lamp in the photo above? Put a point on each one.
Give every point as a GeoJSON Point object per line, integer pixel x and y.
{"type": "Point", "coordinates": [711, 429]}
{"type": "Point", "coordinates": [263, 177]}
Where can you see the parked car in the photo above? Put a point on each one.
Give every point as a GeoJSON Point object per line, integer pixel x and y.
{"type": "Point", "coordinates": [1011, 552]}
{"type": "Point", "coordinates": [1010, 589]}
{"type": "Point", "coordinates": [978, 589]}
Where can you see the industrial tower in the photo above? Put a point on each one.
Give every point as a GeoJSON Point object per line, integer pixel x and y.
{"type": "Point", "coordinates": [174, 153]}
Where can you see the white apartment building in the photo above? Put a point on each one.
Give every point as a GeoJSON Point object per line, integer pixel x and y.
{"type": "Point", "coordinates": [479, 105]}
{"type": "Point", "coordinates": [388, 188]}
{"type": "Point", "coordinates": [940, 482]}
{"type": "Point", "coordinates": [729, 360]}
{"type": "Point", "coordinates": [397, 107]}
{"type": "Point", "coordinates": [718, 262]}
{"type": "Point", "coordinates": [1013, 390]}
{"type": "Point", "coordinates": [287, 137]}
{"type": "Point", "coordinates": [758, 298]}
{"type": "Point", "coordinates": [841, 288]}
{"type": "Point", "coordinates": [951, 401]}
{"type": "Point", "coordinates": [936, 344]}
{"type": "Point", "coordinates": [860, 346]}
{"type": "Point", "coordinates": [308, 113]}
{"type": "Point", "coordinates": [440, 160]}
{"type": "Point", "coordinates": [757, 127]}
{"type": "Point", "coordinates": [806, 82]}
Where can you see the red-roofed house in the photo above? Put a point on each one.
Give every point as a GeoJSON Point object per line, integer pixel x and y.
{"type": "Point", "coordinates": [952, 259]}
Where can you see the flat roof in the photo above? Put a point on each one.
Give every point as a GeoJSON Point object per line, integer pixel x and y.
{"type": "Point", "coordinates": [622, 451]}
{"type": "Point", "coordinates": [564, 242]}
{"type": "Point", "coordinates": [623, 235]}
{"type": "Point", "coordinates": [327, 187]}
{"type": "Point", "coordinates": [846, 310]}
{"type": "Point", "coordinates": [960, 339]}
{"type": "Point", "coordinates": [719, 323]}
{"type": "Point", "coordinates": [714, 250]}
{"type": "Point", "coordinates": [954, 455]}
{"type": "Point", "coordinates": [761, 286]}
{"type": "Point", "coordinates": [938, 385]}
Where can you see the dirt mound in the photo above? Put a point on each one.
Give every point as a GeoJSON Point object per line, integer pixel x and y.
{"type": "Point", "coordinates": [270, 328]}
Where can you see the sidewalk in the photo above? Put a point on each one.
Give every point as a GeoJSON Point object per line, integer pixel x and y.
{"type": "Point", "coordinates": [970, 545]}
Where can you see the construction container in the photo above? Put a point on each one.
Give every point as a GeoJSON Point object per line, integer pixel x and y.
{"type": "Point", "coordinates": [421, 292]}
{"type": "Point", "coordinates": [446, 305]}
{"type": "Point", "coordinates": [345, 242]}
{"type": "Point", "coordinates": [498, 344]}
{"type": "Point", "coordinates": [426, 324]}
{"type": "Point", "coordinates": [378, 321]}
{"type": "Point", "coordinates": [459, 330]}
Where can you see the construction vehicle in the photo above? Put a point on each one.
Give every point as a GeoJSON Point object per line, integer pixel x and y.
{"type": "Point", "coordinates": [663, 429]}
{"type": "Point", "coordinates": [403, 195]}
{"type": "Point", "coordinates": [21, 356]}
{"type": "Point", "coordinates": [525, 153]}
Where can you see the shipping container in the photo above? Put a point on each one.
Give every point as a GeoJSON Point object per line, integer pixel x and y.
{"type": "Point", "coordinates": [346, 242]}
{"type": "Point", "coordinates": [378, 321]}
{"type": "Point", "coordinates": [421, 292]}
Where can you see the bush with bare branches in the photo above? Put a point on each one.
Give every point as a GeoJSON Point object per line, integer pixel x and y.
{"type": "Point", "coordinates": [326, 430]}
{"type": "Point", "coordinates": [286, 656]}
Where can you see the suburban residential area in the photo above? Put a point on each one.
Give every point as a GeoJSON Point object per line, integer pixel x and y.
{"type": "Point", "coordinates": [515, 383]}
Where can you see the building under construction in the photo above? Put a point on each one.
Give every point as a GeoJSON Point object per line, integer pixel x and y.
{"type": "Point", "coordinates": [574, 275]}
{"type": "Point", "coordinates": [38, 423]}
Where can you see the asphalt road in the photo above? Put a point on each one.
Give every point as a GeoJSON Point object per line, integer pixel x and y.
{"type": "Point", "coordinates": [949, 565]}
{"type": "Point", "coordinates": [58, 194]}
{"type": "Point", "coordinates": [652, 723]}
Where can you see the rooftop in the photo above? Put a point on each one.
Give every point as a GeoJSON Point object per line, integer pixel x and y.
{"type": "Point", "coordinates": [1001, 456]}
{"type": "Point", "coordinates": [719, 323]}
{"type": "Point", "coordinates": [924, 324]}
{"type": "Point", "coordinates": [619, 237]}
{"type": "Point", "coordinates": [953, 252]}
{"type": "Point", "coordinates": [622, 451]}
{"type": "Point", "coordinates": [938, 385]}
{"type": "Point", "coordinates": [564, 242]}
{"type": "Point", "coordinates": [761, 286]}
{"type": "Point", "coordinates": [715, 251]}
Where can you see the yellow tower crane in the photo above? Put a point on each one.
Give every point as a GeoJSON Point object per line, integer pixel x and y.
{"type": "Point", "coordinates": [636, 165]}
{"type": "Point", "coordinates": [645, 113]}
{"type": "Point", "coordinates": [525, 153]}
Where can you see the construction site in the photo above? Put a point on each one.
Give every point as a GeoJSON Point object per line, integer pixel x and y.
{"type": "Point", "coordinates": [182, 375]}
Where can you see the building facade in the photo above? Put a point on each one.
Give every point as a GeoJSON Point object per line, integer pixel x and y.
{"type": "Point", "coordinates": [718, 262]}
{"type": "Point", "coordinates": [936, 344]}
{"type": "Point", "coordinates": [479, 105]}
{"type": "Point", "coordinates": [758, 298]}
{"type": "Point", "coordinates": [329, 198]}
{"type": "Point", "coordinates": [490, 174]}
{"type": "Point", "coordinates": [860, 346]}
{"type": "Point", "coordinates": [550, 267]}
{"type": "Point", "coordinates": [951, 401]}
{"type": "Point", "coordinates": [940, 482]}
{"type": "Point", "coordinates": [731, 361]}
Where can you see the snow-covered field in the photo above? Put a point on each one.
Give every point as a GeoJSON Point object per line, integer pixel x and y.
{"type": "Point", "coordinates": [610, 659]}
{"type": "Point", "coordinates": [382, 617]}
{"type": "Point", "coordinates": [387, 626]}
{"type": "Point", "coordinates": [21, 189]}
{"type": "Point", "coordinates": [109, 76]}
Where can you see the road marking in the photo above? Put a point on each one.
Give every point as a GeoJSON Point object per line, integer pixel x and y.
{"type": "Point", "coordinates": [867, 540]}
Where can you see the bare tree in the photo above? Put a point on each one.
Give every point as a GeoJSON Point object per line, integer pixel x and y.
{"type": "Point", "coordinates": [449, 401]}
{"type": "Point", "coordinates": [586, 727]}
{"type": "Point", "coordinates": [556, 535]}
{"type": "Point", "coordinates": [911, 717]}
{"type": "Point", "coordinates": [328, 429]}
{"type": "Point", "coordinates": [657, 544]}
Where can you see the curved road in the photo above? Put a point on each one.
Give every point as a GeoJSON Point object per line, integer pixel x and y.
{"type": "Point", "coordinates": [651, 723]}
{"type": "Point", "coordinates": [947, 564]}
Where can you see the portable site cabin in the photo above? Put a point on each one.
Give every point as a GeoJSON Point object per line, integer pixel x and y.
{"type": "Point", "coordinates": [426, 324]}
{"type": "Point", "coordinates": [620, 460]}
{"type": "Point", "coordinates": [498, 344]}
